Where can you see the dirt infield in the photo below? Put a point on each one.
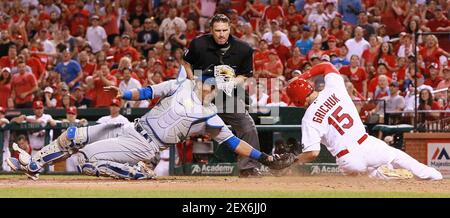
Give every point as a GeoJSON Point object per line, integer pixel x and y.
{"type": "Point", "coordinates": [293, 184]}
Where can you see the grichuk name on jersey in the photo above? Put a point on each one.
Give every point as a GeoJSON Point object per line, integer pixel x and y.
{"type": "Point", "coordinates": [325, 107]}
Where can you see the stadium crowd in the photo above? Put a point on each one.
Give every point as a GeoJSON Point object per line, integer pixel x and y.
{"type": "Point", "coordinates": [61, 53]}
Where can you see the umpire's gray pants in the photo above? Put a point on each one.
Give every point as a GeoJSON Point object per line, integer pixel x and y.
{"type": "Point", "coordinates": [119, 143]}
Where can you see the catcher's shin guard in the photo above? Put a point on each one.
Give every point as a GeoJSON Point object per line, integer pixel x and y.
{"type": "Point", "coordinates": [67, 143]}
{"type": "Point", "coordinates": [47, 155]}
{"type": "Point", "coordinates": [117, 170]}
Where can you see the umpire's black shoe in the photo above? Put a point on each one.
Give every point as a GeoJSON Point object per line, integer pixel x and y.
{"type": "Point", "coordinates": [251, 172]}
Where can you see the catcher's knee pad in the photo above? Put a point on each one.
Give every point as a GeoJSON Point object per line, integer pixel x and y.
{"type": "Point", "coordinates": [46, 156]}
{"type": "Point", "coordinates": [88, 169]}
{"type": "Point", "coordinates": [116, 170]}
{"type": "Point", "coordinates": [74, 138]}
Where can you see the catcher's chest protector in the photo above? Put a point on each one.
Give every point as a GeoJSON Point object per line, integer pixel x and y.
{"type": "Point", "coordinates": [177, 116]}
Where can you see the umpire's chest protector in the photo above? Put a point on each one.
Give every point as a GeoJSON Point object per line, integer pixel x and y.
{"type": "Point", "coordinates": [177, 116]}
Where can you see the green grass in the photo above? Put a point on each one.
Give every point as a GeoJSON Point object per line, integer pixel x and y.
{"type": "Point", "coordinates": [29, 191]}
{"type": "Point", "coordinates": [78, 193]}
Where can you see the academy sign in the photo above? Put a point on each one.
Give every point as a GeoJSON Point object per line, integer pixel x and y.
{"type": "Point", "coordinates": [219, 169]}
{"type": "Point", "coordinates": [324, 168]}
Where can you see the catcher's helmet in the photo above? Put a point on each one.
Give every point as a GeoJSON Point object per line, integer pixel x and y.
{"type": "Point", "coordinates": [298, 90]}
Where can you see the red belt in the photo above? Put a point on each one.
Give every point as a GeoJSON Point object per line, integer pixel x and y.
{"type": "Point", "coordinates": [345, 151]}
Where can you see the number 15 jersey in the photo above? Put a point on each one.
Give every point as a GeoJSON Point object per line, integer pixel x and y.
{"type": "Point", "coordinates": [332, 119]}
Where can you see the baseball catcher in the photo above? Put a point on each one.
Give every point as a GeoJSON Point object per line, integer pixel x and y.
{"type": "Point", "coordinates": [131, 151]}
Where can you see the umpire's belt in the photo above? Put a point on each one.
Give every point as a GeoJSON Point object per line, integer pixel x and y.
{"type": "Point", "coordinates": [345, 151]}
{"type": "Point", "coordinates": [142, 131]}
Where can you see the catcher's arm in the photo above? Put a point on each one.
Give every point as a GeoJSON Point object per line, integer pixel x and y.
{"type": "Point", "coordinates": [188, 68]}
{"type": "Point", "coordinates": [221, 134]}
{"type": "Point", "coordinates": [273, 162]}
{"type": "Point", "coordinates": [149, 92]}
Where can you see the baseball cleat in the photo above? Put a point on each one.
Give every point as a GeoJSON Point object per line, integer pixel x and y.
{"type": "Point", "coordinates": [14, 164]}
{"type": "Point", "coordinates": [33, 176]}
{"type": "Point", "coordinates": [17, 166]}
{"type": "Point", "coordinates": [144, 168]}
{"type": "Point", "coordinates": [391, 173]}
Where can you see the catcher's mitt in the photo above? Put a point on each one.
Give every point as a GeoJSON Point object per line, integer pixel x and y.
{"type": "Point", "coordinates": [278, 162]}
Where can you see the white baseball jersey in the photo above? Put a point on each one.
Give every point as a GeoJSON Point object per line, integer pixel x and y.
{"type": "Point", "coordinates": [180, 114]}
{"type": "Point", "coordinates": [96, 36]}
{"type": "Point", "coordinates": [37, 139]}
{"type": "Point", "coordinates": [110, 119]}
{"type": "Point", "coordinates": [332, 119]}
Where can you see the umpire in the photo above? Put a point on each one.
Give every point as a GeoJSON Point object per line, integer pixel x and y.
{"type": "Point", "coordinates": [219, 48]}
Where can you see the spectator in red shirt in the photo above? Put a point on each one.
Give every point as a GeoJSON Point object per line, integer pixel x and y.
{"type": "Point", "coordinates": [273, 11]}
{"type": "Point", "coordinates": [294, 63]}
{"type": "Point", "coordinates": [254, 12]}
{"type": "Point", "coordinates": [432, 52]}
{"type": "Point", "coordinates": [78, 19]}
{"type": "Point", "coordinates": [104, 78]}
{"type": "Point", "coordinates": [399, 74]}
{"type": "Point", "coordinates": [61, 90]}
{"type": "Point", "coordinates": [273, 68]}
{"type": "Point", "coordinates": [382, 88]}
{"type": "Point", "coordinates": [171, 68]}
{"type": "Point", "coordinates": [440, 24]}
{"type": "Point", "coordinates": [293, 18]}
{"type": "Point", "coordinates": [391, 17]}
{"type": "Point", "coordinates": [5, 88]}
{"type": "Point", "coordinates": [37, 68]}
{"type": "Point", "coordinates": [262, 55]}
{"type": "Point", "coordinates": [238, 5]}
{"type": "Point", "coordinates": [427, 103]}
{"type": "Point", "coordinates": [434, 78]}
{"type": "Point", "coordinates": [356, 74]}
{"type": "Point", "coordinates": [294, 35]}
{"type": "Point", "coordinates": [10, 60]}
{"type": "Point", "coordinates": [235, 23]}
{"type": "Point", "coordinates": [370, 54]}
{"type": "Point", "coordinates": [336, 29]}
{"type": "Point", "coordinates": [191, 32]}
{"type": "Point", "coordinates": [332, 48]}
{"type": "Point", "coordinates": [282, 51]}
{"type": "Point", "coordinates": [23, 84]}
{"type": "Point", "coordinates": [445, 83]}
{"type": "Point", "coordinates": [126, 49]}
{"type": "Point", "coordinates": [381, 70]}
{"type": "Point", "coordinates": [387, 56]}
{"type": "Point", "coordinates": [109, 21]}
{"type": "Point", "coordinates": [315, 50]}
{"type": "Point", "coordinates": [87, 68]}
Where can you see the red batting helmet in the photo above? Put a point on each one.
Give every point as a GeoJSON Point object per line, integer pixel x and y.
{"type": "Point", "coordinates": [298, 90]}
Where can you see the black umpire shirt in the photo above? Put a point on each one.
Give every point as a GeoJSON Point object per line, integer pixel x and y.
{"type": "Point", "coordinates": [204, 53]}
